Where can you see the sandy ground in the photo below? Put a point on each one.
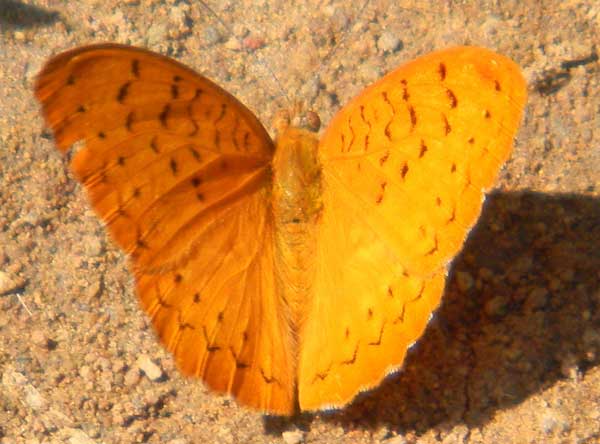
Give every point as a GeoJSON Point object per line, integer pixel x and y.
{"type": "Point", "coordinates": [512, 355]}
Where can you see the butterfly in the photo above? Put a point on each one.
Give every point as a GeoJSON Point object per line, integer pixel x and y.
{"type": "Point", "coordinates": [295, 273]}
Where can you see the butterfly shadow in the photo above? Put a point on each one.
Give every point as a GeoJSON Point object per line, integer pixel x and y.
{"type": "Point", "coordinates": [16, 15]}
{"type": "Point", "coordinates": [519, 313]}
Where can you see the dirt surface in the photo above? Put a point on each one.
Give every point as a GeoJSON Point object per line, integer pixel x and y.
{"type": "Point", "coordinates": [511, 356]}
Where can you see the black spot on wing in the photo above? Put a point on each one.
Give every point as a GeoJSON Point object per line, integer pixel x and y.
{"type": "Point", "coordinates": [164, 115]}
{"type": "Point", "coordinates": [123, 92]}
{"type": "Point", "coordinates": [135, 68]}
{"type": "Point", "coordinates": [442, 71]}
{"type": "Point", "coordinates": [452, 97]}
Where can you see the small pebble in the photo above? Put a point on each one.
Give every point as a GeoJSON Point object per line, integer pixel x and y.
{"type": "Point", "coordinates": [118, 365]}
{"type": "Point", "coordinates": [458, 434]}
{"type": "Point", "coordinates": [293, 437]}
{"type": "Point", "coordinates": [554, 421]}
{"type": "Point", "coordinates": [157, 33]}
{"type": "Point", "coordinates": [496, 306]}
{"type": "Point", "coordinates": [211, 36]}
{"type": "Point", "coordinates": [253, 43]}
{"type": "Point", "coordinates": [86, 372]}
{"type": "Point", "coordinates": [38, 337]}
{"type": "Point", "coordinates": [150, 369]}
{"type": "Point", "coordinates": [233, 44]}
{"type": "Point", "coordinates": [389, 42]}
{"type": "Point", "coordinates": [569, 367]}
{"type": "Point", "coordinates": [464, 281]}
{"type": "Point", "coordinates": [106, 379]}
{"type": "Point", "coordinates": [33, 398]}
{"type": "Point", "coordinates": [132, 377]}
{"type": "Point", "coordinates": [94, 291]}
{"type": "Point", "coordinates": [8, 283]}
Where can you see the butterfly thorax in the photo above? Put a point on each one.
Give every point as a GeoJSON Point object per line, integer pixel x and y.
{"type": "Point", "coordinates": [296, 178]}
{"type": "Point", "coordinates": [296, 211]}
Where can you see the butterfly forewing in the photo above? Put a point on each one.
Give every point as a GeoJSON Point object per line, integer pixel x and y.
{"type": "Point", "coordinates": [179, 171]}
{"type": "Point", "coordinates": [405, 165]}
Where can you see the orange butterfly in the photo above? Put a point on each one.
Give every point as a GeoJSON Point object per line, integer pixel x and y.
{"type": "Point", "coordinates": [292, 274]}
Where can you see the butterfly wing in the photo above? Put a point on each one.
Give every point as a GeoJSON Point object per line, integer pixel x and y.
{"type": "Point", "coordinates": [179, 171]}
{"type": "Point", "coordinates": [405, 166]}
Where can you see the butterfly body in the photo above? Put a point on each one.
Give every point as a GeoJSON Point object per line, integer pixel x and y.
{"type": "Point", "coordinates": [297, 207]}
{"type": "Point", "coordinates": [295, 273]}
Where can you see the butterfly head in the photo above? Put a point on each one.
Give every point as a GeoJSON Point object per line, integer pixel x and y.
{"type": "Point", "coordinates": [298, 117]}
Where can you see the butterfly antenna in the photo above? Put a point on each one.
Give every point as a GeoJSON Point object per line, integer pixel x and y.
{"type": "Point", "coordinates": [216, 16]}
{"type": "Point", "coordinates": [339, 43]}
{"type": "Point", "coordinates": [266, 66]}
{"type": "Point", "coordinates": [261, 60]}
{"type": "Point", "coordinates": [345, 34]}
